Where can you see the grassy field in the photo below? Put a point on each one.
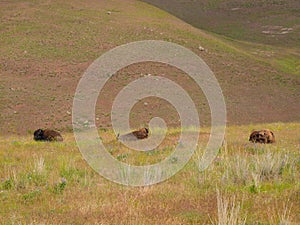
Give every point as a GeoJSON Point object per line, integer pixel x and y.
{"type": "Point", "coordinates": [50, 183]}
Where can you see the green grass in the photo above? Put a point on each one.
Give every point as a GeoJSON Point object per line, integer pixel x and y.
{"type": "Point", "coordinates": [51, 183]}
{"type": "Point", "coordinates": [290, 64]}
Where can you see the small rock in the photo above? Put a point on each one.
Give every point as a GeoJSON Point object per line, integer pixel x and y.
{"type": "Point", "coordinates": [145, 103]}
{"type": "Point", "coordinates": [68, 112]}
{"type": "Point", "coordinates": [63, 180]}
{"type": "Point", "coordinates": [108, 12]}
{"type": "Point", "coordinates": [201, 48]}
{"type": "Point", "coordinates": [266, 32]}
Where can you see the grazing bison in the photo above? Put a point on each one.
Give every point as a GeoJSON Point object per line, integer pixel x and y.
{"type": "Point", "coordinates": [262, 136]}
{"type": "Point", "coordinates": [135, 135]}
{"type": "Point", "coordinates": [47, 135]}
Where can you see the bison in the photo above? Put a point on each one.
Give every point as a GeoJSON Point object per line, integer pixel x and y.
{"type": "Point", "coordinates": [262, 136]}
{"type": "Point", "coordinates": [47, 135]}
{"type": "Point", "coordinates": [135, 135]}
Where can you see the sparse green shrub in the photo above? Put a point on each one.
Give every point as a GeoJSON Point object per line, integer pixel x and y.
{"type": "Point", "coordinates": [121, 157]}
{"type": "Point", "coordinates": [31, 195]}
{"type": "Point", "coordinates": [70, 171]}
{"type": "Point", "coordinates": [254, 169]}
{"type": "Point", "coordinates": [270, 165]}
{"type": "Point", "coordinates": [60, 187]}
{"type": "Point", "coordinates": [7, 184]}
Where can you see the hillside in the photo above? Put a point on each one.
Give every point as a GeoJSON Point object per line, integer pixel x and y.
{"type": "Point", "coordinates": [47, 45]}
{"type": "Point", "coordinates": [268, 22]}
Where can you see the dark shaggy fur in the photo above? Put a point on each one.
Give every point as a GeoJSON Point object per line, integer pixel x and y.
{"type": "Point", "coordinates": [262, 136]}
{"type": "Point", "coordinates": [135, 135]}
{"type": "Point", "coordinates": [47, 135]}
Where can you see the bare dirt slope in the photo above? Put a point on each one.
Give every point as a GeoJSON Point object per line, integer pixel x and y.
{"type": "Point", "coordinates": [47, 45]}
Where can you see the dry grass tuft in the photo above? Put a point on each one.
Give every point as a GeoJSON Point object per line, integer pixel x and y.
{"type": "Point", "coordinates": [229, 211]}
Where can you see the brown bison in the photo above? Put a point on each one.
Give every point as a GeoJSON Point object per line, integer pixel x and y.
{"type": "Point", "coordinates": [47, 135]}
{"type": "Point", "coordinates": [135, 135]}
{"type": "Point", "coordinates": [262, 136]}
